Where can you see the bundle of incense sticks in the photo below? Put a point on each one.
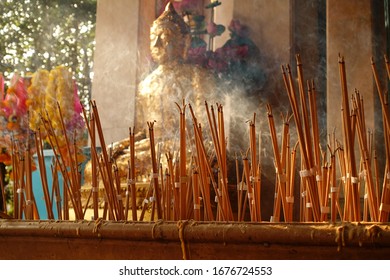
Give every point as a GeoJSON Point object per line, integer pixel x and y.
{"type": "Point", "coordinates": [249, 184]}
{"type": "Point", "coordinates": [24, 200]}
{"type": "Point", "coordinates": [366, 170]}
{"type": "Point", "coordinates": [105, 170]}
{"type": "Point", "coordinates": [192, 182]}
{"type": "Point", "coordinates": [320, 191]}
{"type": "Point", "coordinates": [284, 169]}
{"type": "Point", "coordinates": [186, 192]}
{"type": "Point", "coordinates": [311, 176]}
{"type": "Point", "coordinates": [68, 169]}
{"type": "Point", "coordinates": [204, 168]}
{"type": "Point", "coordinates": [351, 186]}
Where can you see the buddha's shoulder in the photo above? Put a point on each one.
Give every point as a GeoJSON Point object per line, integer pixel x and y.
{"type": "Point", "coordinates": [166, 73]}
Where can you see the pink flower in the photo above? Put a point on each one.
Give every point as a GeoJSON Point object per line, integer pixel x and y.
{"type": "Point", "coordinates": [226, 52]}
{"type": "Point", "coordinates": [217, 65]}
{"type": "Point", "coordinates": [242, 51]}
{"type": "Point", "coordinates": [212, 29]}
{"type": "Point", "coordinates": [221, 53]}
{"type": "Point", "coordinates": [217, 61]}
{"type": "Point", "coordinates": [197, 55]}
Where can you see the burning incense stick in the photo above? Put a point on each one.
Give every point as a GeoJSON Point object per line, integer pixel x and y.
{"type": "Point", "coordinates": [203, 172]}
{"type": "Point", "coordinates": [69, 190]}
{"type": "Point", "coordinates": [104, 167]}
{"type": "Point", "coordinates": [196, 199]}
{"type": "Point", "coordinates": [168, 195]}
{"type": "Point", "coordinates": [94, 167]}
{"type": "Point", "coordinates": [333, 189]}
{"type": "Point", "coordinates": [183, 162]}
{"type": "Point", "coordinates": [132, 176]}
{"type": "Point", "coordinates": [170, 186]}
{"type": "Point", "coordinates": [72, 164]}
{"type": "Point", "coordinates": [307, 173]}
{"type": "Point", "coordinates": [222, 192]}
{"type": "Point", "coordinates": [287, 163]}
{"type": "Point", "coordinates": [106, 173]}
{"type": "Point", "coordinates": [351, 182]}
{"type": "Point", "coordinates": [42, 171]}
{"type": "Point", "coordinates": [255, 176]}
{"type": "Point", "coordinates": [249, 197]}
{"type": "Point", "coordinates": [366, 162]}
{"type": "Point", "coordinates": [291, 179]}
{"type": "Point", "coordinates": [281, 176]}
{"type": "Point", "coordinates": [155, 170]}
{"type": "Point", "coordinates": [30, 201]}
{"type": "Point", "coordinates": [240, 184]}
{"type": "Point", "coordinates": [202, 152]}
{"type": "Point", "coordinates": [56, 191]}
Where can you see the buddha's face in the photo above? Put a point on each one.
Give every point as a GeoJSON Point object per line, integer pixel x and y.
{"type": "Point", "coordinates": [166, 44]}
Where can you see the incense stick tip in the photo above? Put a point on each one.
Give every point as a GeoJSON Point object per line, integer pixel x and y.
{"type": "Point", "coordinates": [298, 59]}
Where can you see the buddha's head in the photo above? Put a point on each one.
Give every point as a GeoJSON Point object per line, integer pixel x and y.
{"type": "Point", "coordinates": [169, 37]}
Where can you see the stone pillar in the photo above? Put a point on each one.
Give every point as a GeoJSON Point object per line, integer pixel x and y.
{"type": "Point", "coordinates": [270, 27]}
{"type": "Point", "coordinates": [309, 41]}
{"type": "Point", "coordinates": [349, 33]}
{"type": "Point", "coordinates": [121, 29]}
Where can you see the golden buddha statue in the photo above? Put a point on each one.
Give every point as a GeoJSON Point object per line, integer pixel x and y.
{"type": "Point", "coordinates": [173, 80]}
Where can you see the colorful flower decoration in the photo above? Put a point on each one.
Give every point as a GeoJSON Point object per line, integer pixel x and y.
{"type": "Point", "coordinates": [62, 109]}
{"type": "Point", "coordinates": [14, 118]}
{"type": "Point", "coordinates": [36, 99]}
{"type": "Point", "coordinates": [237, 61]}
{"type": "Point", "coordinates": [47, 102]}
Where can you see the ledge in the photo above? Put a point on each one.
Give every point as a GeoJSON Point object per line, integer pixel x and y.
{"type": "Point", "coordinates": [192, 240]}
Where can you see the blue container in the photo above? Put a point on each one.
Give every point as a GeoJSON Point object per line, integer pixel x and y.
{"type": "Point", "coordinates": [37, 185]}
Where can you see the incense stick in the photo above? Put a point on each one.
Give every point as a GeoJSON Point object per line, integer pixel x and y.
{"type": "Point", "coordinates": [155, 170]}
{"type": "Point", "coordinates": [183, 162]}
{"type": "Point", "coordinates": [309, 199]}
{"type": "Point", "coordinates": [351, 182]}
{"type": "Point", "coordinates": [132, 176]}
{"type": "Point", "coordinates": [42, 171]}
{"type": "Point", "coordinates": [279, 170]}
